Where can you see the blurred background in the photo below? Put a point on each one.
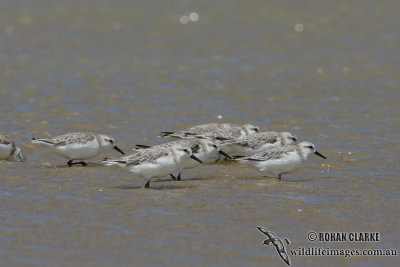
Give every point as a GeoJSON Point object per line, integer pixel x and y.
{"type": "Point", "coordinates": [328, 71]}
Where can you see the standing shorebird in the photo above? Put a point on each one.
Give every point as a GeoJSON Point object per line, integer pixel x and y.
{"type": "Point", "coordinates": [201, 148]}
{"type": "Point", "coordinates": [78, 146]}
{"type": "Point", "coordinates": [214, 131]}
{"type": "Point", "coordinates": [257, 142]}
{"type": "Point", "coordinates": [154, 162]}
{"type": "Point", "coordinates": [9, 151]}
{"type": "Point", "coordinates": [278, 161]}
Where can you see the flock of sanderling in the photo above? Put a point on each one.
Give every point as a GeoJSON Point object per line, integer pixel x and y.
{"type": "Point", "coordinates": [271, 153]}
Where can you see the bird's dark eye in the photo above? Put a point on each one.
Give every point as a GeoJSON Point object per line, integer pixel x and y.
{"type": "Point", "coordinates": [215, 146]}
{"type": "Point", "coordinates": [311, 147]}
{"type": "Point", "coordinates": [111, 141]}
{"type": "Point", "coordinates": [187, 151]}
{"type": "Point", "coordinates": [255, 129]}
{"type": "Point", "coordinates": [294, 139]}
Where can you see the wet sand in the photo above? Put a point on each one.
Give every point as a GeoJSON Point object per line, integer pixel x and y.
{"type": "Point", "coordinates": [133, 69]}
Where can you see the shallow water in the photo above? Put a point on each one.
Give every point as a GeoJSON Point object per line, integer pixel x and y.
{"type": "Point", "coordinates": [131, 69]}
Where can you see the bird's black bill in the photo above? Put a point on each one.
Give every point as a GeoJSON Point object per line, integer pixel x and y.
{"type": "Point", "coordinates": [142, 146]}
{"type": "Point", "coordinates": [319, 154]}
{"type": "Point", "coordinates": [224, 154]}
{"type": "Point", "coordinates": [196, 159]}
{"type": "Point", "coordinates": [119, 150]}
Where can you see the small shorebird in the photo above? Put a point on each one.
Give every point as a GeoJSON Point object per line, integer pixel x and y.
{"type": "Point", "coordinates": [154, 162]}
{"type": "Point", "coordinates": [9, 151]}
{"type": "Point", "coordinates": [257, 142]}
{"type": "Point", "coordinates": [278, 161]}
{"type": "Point", "coordinates": [214, 131]}
{"type": "Point", "coordinates": [201, 148]}
{"type": "Point", "coordinates": [78, 146]}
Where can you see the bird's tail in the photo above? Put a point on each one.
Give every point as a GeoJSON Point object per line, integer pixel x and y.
{"type": "Point", "coordinates": [114, 161]}
{"type": "Point", "coordinates": [142, 146]}
{"type": "Point", "coordinates": [237, 157]}
{"type": "Point", "coordinates": [246, 158]}
{"type": "Point", "coordinates": [42, 141]}
{"type": "Point", "coordinates": [184, 135]}
{"type": "Point", "coordinates": [164, 134]}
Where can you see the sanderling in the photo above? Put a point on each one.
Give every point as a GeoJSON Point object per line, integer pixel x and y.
{"type": "Point", "coordinates": [257, 142]}
{"type": "Point", "coordinates": [201, 148]}
{"type": "Point", "coordinates": [154, 162]}
{"type": "Point", "coordinates": [9, 151]}
{"type": "Point", "coordinates": [278, 161]}
{"type": "Point", "coordinates": [214, 131]}
{"type": "Point", "coordinates": [78, 146]}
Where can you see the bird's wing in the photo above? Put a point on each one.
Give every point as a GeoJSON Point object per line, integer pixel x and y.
{"type": "Point", "coordinates": [145, 155]}
{"type": "Point", "coordinates": [264, 231]}
{"type": "Point", "coordinates": [257, 140]}
{"type": "Point", "coordinates": [285, 257]}
{"type": "Point", "coordinates": [277, 153]}
{"type": "Point", "coordinates": [72, 138]}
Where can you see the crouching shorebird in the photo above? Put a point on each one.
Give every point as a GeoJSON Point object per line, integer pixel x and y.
{"type": "Point", "coordinates": [78, 146]}
{"type": "Point", "coordinates": [214, 131]}
{"type": "Point", "coordinates": [201, 148]}
{"type": "Point", "coordinates": [154, 162]}
{"type": "Point", "coordinates": [9, 151]}
{"type": "Point", "coordinates": [278, 161]}
{"type": "Point", "coordinates": [258, 142]}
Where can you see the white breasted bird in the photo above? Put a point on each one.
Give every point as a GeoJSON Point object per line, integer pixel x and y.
{"type": "Point", "coordinates": [278, 161]}
{"type": "Point", "coordinates": [202, 149]}
{"type": "Point", "coordinates": [78, 146]}
{"type": "Point", "coordinates": [154, 162]}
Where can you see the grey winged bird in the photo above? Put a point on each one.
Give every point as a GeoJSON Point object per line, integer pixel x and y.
{"type": "Point", "coordinates": [214, 131]}
{"type": "Point", "coordinates": [202, 149]}
{"type": "Point", "coordinates": [274, 240]}
{"type": "Point", "coordinates": [78, 146]}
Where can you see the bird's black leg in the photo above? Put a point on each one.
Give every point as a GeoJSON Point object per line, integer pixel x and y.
{"type": "Point", "coordinates": [219, 158]}
{"type": "Point", "coordinates": [173, 178]}
{"type": "Point", "coordinates": [70, 163]}
{"type": "Point", "coordinates": [280, 176]}
{"type": "Point", "coordinates": [147, 185]}
{"type": "Point", "coordinates": [178, 178]}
